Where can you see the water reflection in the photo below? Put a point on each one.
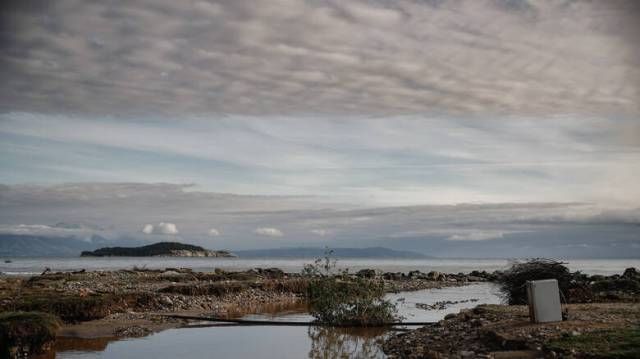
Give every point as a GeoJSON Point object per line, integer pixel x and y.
{"type": "Point", "coordinates": [269, 311]}
{"type": "Point", "coordinates": [85, 345]}
{"type": "Point", "coordinates": [358, 343]}
{"type": "Point", "coordinates": [237, 341]}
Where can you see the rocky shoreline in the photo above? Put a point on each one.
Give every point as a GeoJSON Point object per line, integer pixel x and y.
{"type": "Point", "coordinates": [500, 331]}
{"type": "Point", "coordinates": [137, 302]}
{"type": "Point", "coordinates": [132, 302]}
{"type": "Point", "coordinates": [601, 321]}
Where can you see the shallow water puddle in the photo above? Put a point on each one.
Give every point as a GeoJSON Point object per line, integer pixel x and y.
{"type": "Point", "coordinates": [231, 341]}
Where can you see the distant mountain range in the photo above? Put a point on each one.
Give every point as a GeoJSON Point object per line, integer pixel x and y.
{"type": "Point", "coordinates": [12, 245]}
{"type": "Point", "coordinates": [314, 252]}
{"type": "Point", "coordinates": [45, 246]}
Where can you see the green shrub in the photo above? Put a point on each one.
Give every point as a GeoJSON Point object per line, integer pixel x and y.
{"type": "Point", "coordinates": [346, 300]}
{"type": "Point", "coordinates": [350, 301]}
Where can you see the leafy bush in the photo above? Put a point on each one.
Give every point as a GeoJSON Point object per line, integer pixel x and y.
{"type": "Point", "coordinates": [346, 300]}
{"type": "Point", "coordinates": [352, 301]}
{"type": "Point", "coordinates": [512, 282]}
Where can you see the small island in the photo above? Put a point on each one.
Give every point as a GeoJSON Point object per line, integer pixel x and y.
{"type": "Point", "coordinates": [161, 249]}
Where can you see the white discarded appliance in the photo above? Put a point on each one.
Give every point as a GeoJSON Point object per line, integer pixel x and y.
{"type": "Point", "coordinates": [544, 301]}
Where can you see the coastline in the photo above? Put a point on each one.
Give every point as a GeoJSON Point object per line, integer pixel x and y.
{"type": "Point", "coordinates": [130, 303]}
{"type": "Point", "coordinates": [104, 306]}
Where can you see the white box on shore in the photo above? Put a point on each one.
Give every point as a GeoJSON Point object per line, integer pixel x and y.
{"type": "Point", "coordinates": [544, 301]}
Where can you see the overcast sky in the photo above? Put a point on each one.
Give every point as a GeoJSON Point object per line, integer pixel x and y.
{"type": "Point", "coordinates": [302, 107]}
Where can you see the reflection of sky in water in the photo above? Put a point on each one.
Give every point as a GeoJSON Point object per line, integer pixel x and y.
{"type": "Point", "coordinates": [283, 341]}
{"type": "Point", "coordinates": [485, 293]}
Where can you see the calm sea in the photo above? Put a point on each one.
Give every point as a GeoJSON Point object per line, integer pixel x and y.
{"type": "Point", "coordinates": [22, 266]}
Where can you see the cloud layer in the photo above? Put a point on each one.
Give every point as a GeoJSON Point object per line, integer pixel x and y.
{"type": "Point", "coordinates": [398, 160]}
{"type": "Point", "coordinates": [289, 56]}
{"type": "Point", "coordinates": [461, 125]}
{"type": "Point", "coordinates": [502, 229]}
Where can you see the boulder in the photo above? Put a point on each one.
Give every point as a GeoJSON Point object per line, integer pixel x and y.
{"type": "Point", "coordinates": [436, 276]}
{"type": "Point", "coordinates": [366, 273]}
{"type": "Point", "coordinates": [272, 272]}
{"type": "Point", "coordinates": [392, 276]}
{"type": "Point", "coordinates": [631, 273]}
{"type": "Point", "coordinates": [416, 274]}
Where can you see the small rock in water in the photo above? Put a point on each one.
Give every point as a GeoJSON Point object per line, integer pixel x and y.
{"type": "Point", "coordinates": [443, 304]}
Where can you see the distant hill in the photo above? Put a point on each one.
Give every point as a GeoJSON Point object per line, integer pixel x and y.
{"type": "Point", "coordinates": [164, 249]}
{"type": "Point", "coordinates": [314, 252]}
{"type": "Point", "coordinates": [12, 245]}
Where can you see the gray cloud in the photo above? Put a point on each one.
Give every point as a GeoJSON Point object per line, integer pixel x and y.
{"type": "Point", "coordinates": [268, 232]}
{"type": "Point", "coordinates": [378, 161]}
{"type": "Point", "coordinates": [116, 211]}
{"type": "Point", "coordinates": [58, 231]}
{"type": "Point", "coordinates": [289, 56]}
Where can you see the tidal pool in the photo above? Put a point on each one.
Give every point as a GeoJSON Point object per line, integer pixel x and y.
{"type": "Point", "coordinates": [232, 341]}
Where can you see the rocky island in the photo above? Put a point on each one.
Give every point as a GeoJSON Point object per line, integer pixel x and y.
{"type": "Point", "coordinates": [161, 249]}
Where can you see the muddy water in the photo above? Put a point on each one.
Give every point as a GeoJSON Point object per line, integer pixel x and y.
{"type": "Point", "coordinates": [231, 341]}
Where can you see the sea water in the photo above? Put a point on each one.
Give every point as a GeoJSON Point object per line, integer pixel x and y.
{"type": "Point", "coordinates": [27, 266]}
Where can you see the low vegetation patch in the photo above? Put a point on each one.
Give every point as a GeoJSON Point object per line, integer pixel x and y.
{"type": "Point", "coordinates": [618, 344]}
{"type": "Point", "coordinates": [295, 285]}
{"type": "Point", "coordinates": [74, 308]}
{"type": "Point", "coordinates": [26, 333]}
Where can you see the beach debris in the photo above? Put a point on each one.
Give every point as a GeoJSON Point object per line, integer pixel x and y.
{"type": "Point", "coordinates": [444, 304]}
{"type": "Point", "coordinates": [366, 273]}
